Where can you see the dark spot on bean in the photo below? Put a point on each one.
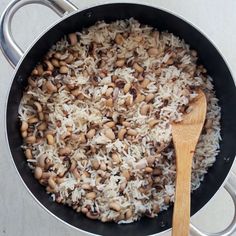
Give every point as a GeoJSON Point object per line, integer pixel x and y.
{"type": "Point", "coordinates": [95, 79]}
{"type": "Point", "coordinates": [120, 84]}
{"type": "Point", "coordinates": [133, 92]}
{"type": "Point", "coordinates": [129, 63]}
{"type": "Point", "coordinates": [45, 66]}
{"type": "Point", "coordinates": [165, 102]}
{"type": "Point", "coordinates": [99, 63]}
{"type": "Point", "coordinates": [90, 48]}
{"type": "Point", "coordinates": [55, 72]}
{"type": "Point", "coordinates": [157, 114]}
{"type": "Point", "coordinates": [120, 119]}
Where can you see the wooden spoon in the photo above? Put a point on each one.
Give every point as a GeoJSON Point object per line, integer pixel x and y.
{"type": "Point", "coordinates": [185, 137]}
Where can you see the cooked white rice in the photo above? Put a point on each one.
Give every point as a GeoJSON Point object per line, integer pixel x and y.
{"type": "Point", "coordinates": [80, 168]}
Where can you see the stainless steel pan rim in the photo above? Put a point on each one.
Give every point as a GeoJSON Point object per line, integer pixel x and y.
{"type": "Point", "coordinates": [15, 56]}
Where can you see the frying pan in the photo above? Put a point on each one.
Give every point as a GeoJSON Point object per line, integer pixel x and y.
{"type": "Point", "coordinates": [74, 20]}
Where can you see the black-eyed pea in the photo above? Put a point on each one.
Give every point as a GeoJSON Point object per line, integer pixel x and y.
{"type": "Point", "coordinates": [38, 172]}
{"type": "Point", "coordinates": [65, 151]}
{"type": "Point", "coordinates": [209, 123]}
{"type": "Point", "coordinates": [55, 62]}
{"type": "Point", "coordinates": [30, 139]}
{"type": "Point", "coordinates": [126, 174]}
{"type": "Point", "coordinates": [91, 195]}
{"type": "Point", "coordinates": [145, 109]}
{"type": "Point", "coordinates": [47, 73]}
{"type": "Point", "coordinates": [24, 134]}
{"type": "Point", "coordinates": [28, 153]}
{"type": "Point", "coordinates": [138, 38]}
{"type": "Point", "coordinates": [127, 87]}
{"type": "Point", "coordinates": [115, 206]}
{"type": "Point", "coordinates": [58, 199]}
{"type": "Point", "coordinates": [49, 65]}
{"type": "Point", "coordinates": [148, 170]}
{"type": "Point", "coordinates": [115, 158]}
{"type": "Point", "coordinates": [140, 77]}
{"type": "Point", "coordinates": [41, 116]}
{"type": "Point", "coordinates": [98, 180]}
{"type": "Point", "coordinates": [139, 98]}
{"type": "Point", "coordinates": [64, 69]}
{"type": "Point", "coordinates": [110, 124]}
{"type": "Point", "coordinates": [132, 132]}
{"type": "Point", "coordinates": [157, 179]}
{"type": "Point", "coordinates": [92, 215]}
{"type": "Point", "coordinates": [42, 126]}
{"type": "Point", "coordinates": [123, 186]}
{"type": "Point", "coordinates": [170, 61]}
{"type": "Point", "coordinates": [152, 52]}
{"type": "Point", "coordinates": [126, 124]}
{"type": "Point", "coordinates": [69, 59]}
{"type": "Point", "coordinates": [52, 183]}
{"type": "Point", "coordinates": [119, 39]}
{"type": "Point", "coordinates": [62, 63]}
{"type": "Point", "coordinates": [82, 138]}
{"type": "Point", "coordinates": [193, 53]}
{"type": "Point", "coordinates": [156, 208]}
{"type": "Point", "coordinates": [102, 173]}
{"type": "Point", "coordinates": [138, 68]}
{"type": "Point", "coordinates": [32, 83]}
{"type": "Point", "coordinates": [109, 133]}
{"type": "Point", "coordinates": [33, 120]}
{"type": "Point", "coordinates": [128, 214]}
{"type": "Point", "coordinates": [50, 139]}
{"type": "Point", "coordinates": [95, 164]}
{"type": "Point", "coordinates": [149, 97]}
{"type": "Point", "coordinates": [76, 92]}
{"type": "Point", "coordinates": [84, 210]}
{"type": "Point", "coordinates": [166, 200]}
{"type": "Point", "coordinates": [129, 101]}
{"type": "Point", "coordinates": [46, 175]}
{"type": "Point", "coordinates": [40, 70]}
{"type": "Point", "coordinates": [24, 126]}
{"type": "Point", "coordinates": [104, 219]}
{"type": "Point", "coordinates": [120, 62]}
{"type": "Point", "coordinates": [103, 166]}
{"type": "Point", "coordinates": [75, 172]}
{"type": "Point", "coordinates": [73, 39]}
{"type": "Point", "coordinates": [153, 122]}
{"type": "Point", "coordinates": [109, 102]}
{"type": "Point", "coordinates": [157, 171]}
{"type": "Point", "coordinates": [114, 78]}
{"type": "Point", "coordinates": [58, 55]}
{"type": "Point", "coordinates": [38, 106]}
{"type": "Point", "coordinates": [51, 88]}
{"type": "Point", "coordinates": [145, 83]}
{"type": "Point", "coordinates": [34, 72]}
{"type": "Point", "coordinates": [49, 189]}
{"type": "Point", "coordinates": [73, 164]}
{"type": "Point", "coordinates": [121, 216]}
{"type": "Point", "coordinates": [150, 160]}
{"type": "Point", "coordinates": [41, 161]}
{"type": "Point", "coordinates": [121, 134]}
{"type": "Point", "coordinates": [109, 91]}
{"type": "Point", "coordinates": [91, 133]}
{"type": "Point", "coordinates": [86, 186]}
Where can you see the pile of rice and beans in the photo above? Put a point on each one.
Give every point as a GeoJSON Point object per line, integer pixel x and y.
{"type": "Point", "coordinates": [96, 119]}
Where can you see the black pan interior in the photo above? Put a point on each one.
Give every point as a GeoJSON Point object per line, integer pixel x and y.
{"type": "Point", "coordinates": [208, 55]}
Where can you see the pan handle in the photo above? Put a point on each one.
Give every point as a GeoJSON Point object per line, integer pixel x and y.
{"type": "Point", "coordinates": [10, 49]}
{"type": "Point", "coordinates": [230, 186]}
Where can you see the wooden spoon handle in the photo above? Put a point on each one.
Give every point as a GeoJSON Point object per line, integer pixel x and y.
{"type": "Point", "coordinates": [181, 216]}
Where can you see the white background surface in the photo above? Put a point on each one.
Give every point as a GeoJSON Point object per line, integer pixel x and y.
{"type": "Point", "coordinates": [20, 215]}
